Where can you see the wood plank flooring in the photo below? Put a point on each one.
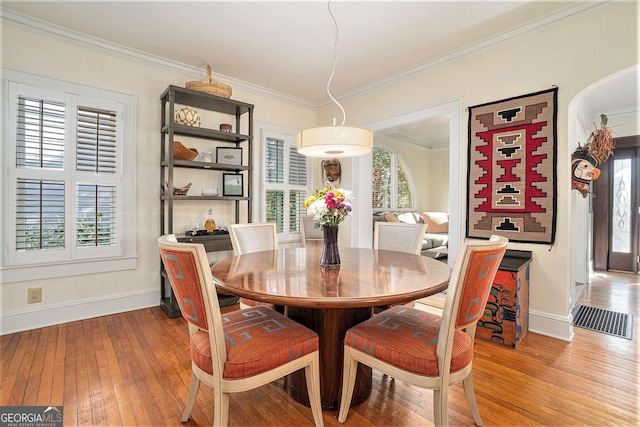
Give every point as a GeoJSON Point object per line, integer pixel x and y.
{"type": "Point", "coordinates": [133, 369]}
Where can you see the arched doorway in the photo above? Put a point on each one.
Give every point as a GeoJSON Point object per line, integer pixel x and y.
{"type": "Point", "coordinates": [616, 97]}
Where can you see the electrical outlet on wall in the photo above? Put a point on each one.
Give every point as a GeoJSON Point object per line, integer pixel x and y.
{"type": "Point", "coordinates": [34, 295]}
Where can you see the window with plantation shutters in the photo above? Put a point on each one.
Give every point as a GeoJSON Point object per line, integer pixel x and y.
{"type": "Point", "coordinates": [296, 208]}
{"type": "Point", "coordinates": [274, 162]}
{"type": "Point", "coordinates": [40, 133]}
{"type": "Point", "coordinates": [96, 145]}
{"type": "Point", "coordinates": [40, 218]}
{"type": "Point", "coordinates": [96, 141]}
{"type": "Point", "coordinates": [297, 167]}
{"type": "Point", "coordinates": [286, 184]}
{"type": "Point", "coordinates": [67, 164]}
{"type": "Point", "coordinates": [96, 215]}
{"type": "Point", "coordinates": [275, 208]}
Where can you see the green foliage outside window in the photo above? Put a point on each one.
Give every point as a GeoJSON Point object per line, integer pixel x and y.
{"type": "Point", "coordinates": [405, 196]}
{"type": "Point", "coordinates": [274, 203]}
{"type": "Point", "coordinates": [388, 169]}
{"type": "Point", "coordinates": [48, 233]}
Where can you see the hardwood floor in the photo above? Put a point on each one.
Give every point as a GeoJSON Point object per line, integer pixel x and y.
{"type": "Point", "coordinates": [133, 369]}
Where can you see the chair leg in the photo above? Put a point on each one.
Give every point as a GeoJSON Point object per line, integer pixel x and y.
{"type": "Point", "coordinates": [349, 369]}
{"type": "Point", "coordinates": [467, 383]}
{"type": "Point", "coordinates": [191, 400]}
{"type": "Point", "coordinates": [437, 414]}
{"type": "Point", "coordinates": [440, 401]}
{"type": "Point", "coordinates": [312, 377]}
{"type": "Point", "coordinates": [220, 408]}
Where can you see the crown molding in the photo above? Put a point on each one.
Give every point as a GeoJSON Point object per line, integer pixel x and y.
{"type": "Point", "coordinates": [60, 33]}
{"type": "Point", "coordinates": [385, 144]}
{"type": "Point", "coordinates": [570, 11]}
{"type": "Point", "coordinates": [37, 26]}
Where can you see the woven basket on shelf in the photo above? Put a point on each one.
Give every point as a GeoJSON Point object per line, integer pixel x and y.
{"type": "Point", "coordinates": [210, 86]}
{"type": "Point", "coordinates": [181, 152]}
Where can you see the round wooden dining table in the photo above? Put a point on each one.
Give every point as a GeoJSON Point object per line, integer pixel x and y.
{"type": "Point", "coordinates": [331, 300]}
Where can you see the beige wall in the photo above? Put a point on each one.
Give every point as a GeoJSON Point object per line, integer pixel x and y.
{"type": "Point", "coordinates": [438, 183]}
{"type": "Point", "coordinates": [571, 55]}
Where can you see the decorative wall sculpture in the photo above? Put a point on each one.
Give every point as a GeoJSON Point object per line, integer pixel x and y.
{"type": "Point", "coordinates": [332, 170]}
{"type": "Point", "coordinates": [586, 159]}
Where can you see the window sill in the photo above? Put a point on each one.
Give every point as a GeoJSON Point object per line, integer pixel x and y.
{"type": "Point", "coordinates": [66, 269]}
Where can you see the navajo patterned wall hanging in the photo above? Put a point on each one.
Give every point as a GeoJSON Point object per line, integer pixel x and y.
{"type": "Point", "coordinates": [512, 168]}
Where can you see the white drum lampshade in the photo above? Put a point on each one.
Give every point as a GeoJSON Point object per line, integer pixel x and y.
{"type": "Point", "coordinates": [334, 141]}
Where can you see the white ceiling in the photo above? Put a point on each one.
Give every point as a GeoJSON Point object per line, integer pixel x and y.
{"type": "Point", "coordinates": [286, 46]}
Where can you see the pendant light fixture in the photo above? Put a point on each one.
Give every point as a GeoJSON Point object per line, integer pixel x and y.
{"type": "Point", "coordinates": [334, 141]}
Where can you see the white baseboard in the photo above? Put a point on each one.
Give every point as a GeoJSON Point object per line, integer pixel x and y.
{"type": "Point", "coordinates": [551, 325]}
{"type": "Point", "coordinates": [25, 320]}
{"type": "Point", "coordinates": [539, 322]}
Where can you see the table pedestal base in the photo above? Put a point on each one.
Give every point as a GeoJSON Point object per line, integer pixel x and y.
{"type": "Point", "coordinates": [331, 324]}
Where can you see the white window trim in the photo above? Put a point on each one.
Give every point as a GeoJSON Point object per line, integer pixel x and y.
{"type": "Point", "coordinates": [289, 136]}
{"type": "Point", "coordinates": [124, 256]}
{"type": "Point", "coordinates": [397, 158]}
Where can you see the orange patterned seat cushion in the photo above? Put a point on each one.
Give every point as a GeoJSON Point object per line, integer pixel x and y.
{"type": "Point", "coordinates": [407, 338]}
{"type": "Point", "coordinates": [257, 340]}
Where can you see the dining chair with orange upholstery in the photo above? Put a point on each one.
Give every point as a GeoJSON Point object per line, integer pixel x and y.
{"type": "Point", "coordinates": [253, 237]}
{"type": "Point", "coordinates": [241, 351]}
{"type": "Point", "coordinates": [308, 232]}
{"type": "Point", "coordinates": [422, 348]}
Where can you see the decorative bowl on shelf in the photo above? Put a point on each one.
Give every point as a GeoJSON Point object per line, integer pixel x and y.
{"type": "Point", "coordinates": [181, 191]}
{"type": "Point", "coordinates": [225, 127]}
{"type": "Point", "coordinates": [181, 152]}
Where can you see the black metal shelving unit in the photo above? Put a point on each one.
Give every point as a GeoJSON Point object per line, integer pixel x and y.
{"type": "Point", "coordinates": [242, 114]}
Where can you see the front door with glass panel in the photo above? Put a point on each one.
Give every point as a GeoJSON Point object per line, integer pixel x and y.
{"type": "Point", "coordinates": [616, 209]}
{"type": "Point", "coordinates": [624, 197]}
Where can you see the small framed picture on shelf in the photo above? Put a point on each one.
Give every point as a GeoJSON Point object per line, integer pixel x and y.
{"type": "Point", "coordinates": [229, 156]}
{"type": "Point", "coordinates": [232, 184]}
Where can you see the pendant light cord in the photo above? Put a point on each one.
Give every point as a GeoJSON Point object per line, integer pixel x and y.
{"type": "Point", "coordinates": [335, 62]}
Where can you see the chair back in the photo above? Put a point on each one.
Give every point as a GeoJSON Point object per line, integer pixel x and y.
{"type": "Point", "coordinates": [308, 230]}
{"type": "Point", "coordinates": [473, 274]}
{"type": "Point", "coordinates": [187, 267]}
{"type": "Point", "coordinates": [253, 237]}
{"type": "Point", "coordinates": [398, 236]}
